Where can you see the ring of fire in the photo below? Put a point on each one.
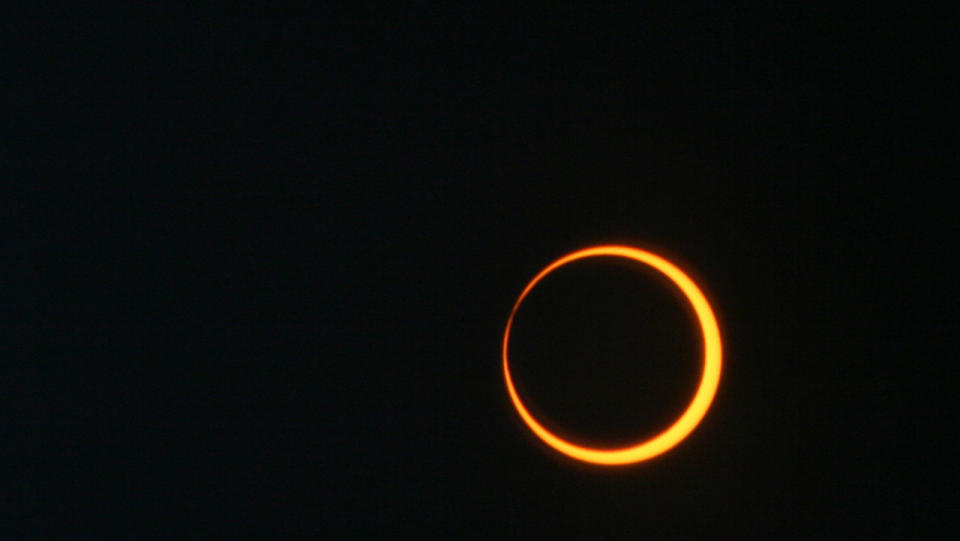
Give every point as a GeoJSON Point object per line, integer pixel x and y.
{"type": "Point", "coordinates": [690, 418]}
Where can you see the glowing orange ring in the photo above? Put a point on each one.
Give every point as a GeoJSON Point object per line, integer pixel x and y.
{"type": "Point", "coordinates": [708, 382]}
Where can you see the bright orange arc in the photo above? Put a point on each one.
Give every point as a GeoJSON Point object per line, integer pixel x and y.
{"type": "Point", "coordinates": [685, 424]}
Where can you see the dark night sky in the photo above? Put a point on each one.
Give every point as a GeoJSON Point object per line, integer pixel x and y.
{"type": "Point", "coordinates": [257, 268]}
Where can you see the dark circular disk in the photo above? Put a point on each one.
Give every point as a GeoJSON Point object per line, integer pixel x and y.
{"type": "Point", "coordinates": [606, 352]}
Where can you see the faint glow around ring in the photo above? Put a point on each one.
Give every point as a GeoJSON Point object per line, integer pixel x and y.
{"type": "Point", "coordinates": [705, 392]}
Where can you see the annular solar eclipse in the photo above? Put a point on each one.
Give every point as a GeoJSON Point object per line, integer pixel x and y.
{"type": "Point", "coordinates": [706, 390]}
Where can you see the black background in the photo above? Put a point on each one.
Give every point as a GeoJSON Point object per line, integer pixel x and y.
{"type": "Point", "coordinates": [257, 268]}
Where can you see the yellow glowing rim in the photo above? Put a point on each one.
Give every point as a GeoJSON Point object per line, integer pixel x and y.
{"type": "Point", "coordinates": [708, 382]}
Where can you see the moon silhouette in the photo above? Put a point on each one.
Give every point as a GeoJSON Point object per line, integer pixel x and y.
{"type": "Point", "coordinates": [698, 407]}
